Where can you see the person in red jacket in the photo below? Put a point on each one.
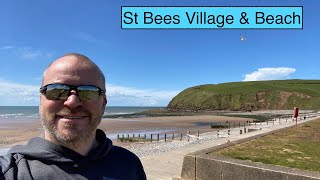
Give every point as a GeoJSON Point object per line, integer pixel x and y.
{"type": "Point", "coordinates": [72, 103]}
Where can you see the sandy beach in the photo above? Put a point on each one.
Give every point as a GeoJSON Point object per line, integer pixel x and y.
{"type": "Point", "coordinates": [12, 133]}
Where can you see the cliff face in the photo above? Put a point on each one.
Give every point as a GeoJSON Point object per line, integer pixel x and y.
{"type": "Point", "coordinates": [247, 97]}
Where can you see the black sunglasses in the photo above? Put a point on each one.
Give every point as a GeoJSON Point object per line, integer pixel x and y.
{"type": "Point", "coordinates": [62, 92]}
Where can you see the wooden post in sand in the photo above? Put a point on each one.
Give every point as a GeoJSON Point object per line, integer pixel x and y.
{"type": "Point", "coordinates": [158, 137]}
{"type": "Point", "coordinates": [172, 136]}
{"type": "Point", "coordinates": [181, 137]}
{"type": "Point", "coordinates": [151, 138]}
{"type": "Point", "coordinates": [165, 137]}
{"type": "Point", "coordinates": [198, 133]}
{"type": "Point", "coordinates": [188, 136]}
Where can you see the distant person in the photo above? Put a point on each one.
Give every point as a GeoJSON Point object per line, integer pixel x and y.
{"type": "Point", "coordinates": [72, 103]}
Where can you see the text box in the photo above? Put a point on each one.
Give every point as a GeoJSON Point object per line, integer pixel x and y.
{"type": "Point", "coordinates": [213, 17]}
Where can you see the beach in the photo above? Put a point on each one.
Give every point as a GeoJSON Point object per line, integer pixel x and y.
{"type": "Point", "coordinates": [12, 133]}
{"type": "Point", "coordinates": [19, 131]}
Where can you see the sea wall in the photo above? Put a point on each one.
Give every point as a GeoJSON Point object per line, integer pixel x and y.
{"type": "Point", "coordinates": [202, 166]}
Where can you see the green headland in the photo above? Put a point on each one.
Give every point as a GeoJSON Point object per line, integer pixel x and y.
{"type": "Point", "coordinates": [249, 96]}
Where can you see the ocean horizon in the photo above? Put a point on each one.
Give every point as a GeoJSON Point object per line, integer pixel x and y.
{"type": "Point", "coordinates": [32, 112]}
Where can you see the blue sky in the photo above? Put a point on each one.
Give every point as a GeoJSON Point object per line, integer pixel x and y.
{"type": "Point", "coordinates": [147, 67]}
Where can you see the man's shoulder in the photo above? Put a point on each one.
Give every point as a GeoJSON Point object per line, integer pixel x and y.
{"type": "Point", "coordinates": [119, 153]}
{"type": "Point", "coordinates": [117, 150]}
{"type": "Point", "coordinates": [8, 162]}
{"type": "Point", "coordinates": [121, 158]}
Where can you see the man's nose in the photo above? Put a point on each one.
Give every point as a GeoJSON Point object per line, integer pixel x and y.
{"type": "Point", "coordinates": [73, 100]}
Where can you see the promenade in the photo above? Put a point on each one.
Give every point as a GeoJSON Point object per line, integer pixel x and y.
{"type": "Point", "coordinates": [168, 164]}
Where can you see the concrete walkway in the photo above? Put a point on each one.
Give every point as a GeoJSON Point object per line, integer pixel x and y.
{"type": "Point", "coordinates": [167, 165]}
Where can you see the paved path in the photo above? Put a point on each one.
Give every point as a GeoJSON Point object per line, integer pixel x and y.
{"type": "Point", "coordinates": [166, 165]}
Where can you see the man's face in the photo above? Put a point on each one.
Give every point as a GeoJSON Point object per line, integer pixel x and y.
{"type": "Point", "coordinates": [71, 121]}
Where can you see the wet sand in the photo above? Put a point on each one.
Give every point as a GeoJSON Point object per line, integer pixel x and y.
{"type": "Point", "coordinates": [12, 133]}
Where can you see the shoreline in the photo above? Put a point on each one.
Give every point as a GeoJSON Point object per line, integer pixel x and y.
{"type": "Point", "coordinates": [19, 133]}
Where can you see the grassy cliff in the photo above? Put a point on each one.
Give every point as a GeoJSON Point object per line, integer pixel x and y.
{"type": "Point", "coordinates": [247, 96]}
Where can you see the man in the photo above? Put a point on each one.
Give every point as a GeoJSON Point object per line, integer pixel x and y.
{"type": "Point", "coordinates": [72, 103]}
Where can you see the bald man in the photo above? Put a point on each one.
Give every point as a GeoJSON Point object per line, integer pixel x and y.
{"type": "Point", "coordinates": [72, 103]}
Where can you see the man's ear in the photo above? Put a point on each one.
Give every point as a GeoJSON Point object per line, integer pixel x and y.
{"type": "Point", "coordinates": [105, 100]}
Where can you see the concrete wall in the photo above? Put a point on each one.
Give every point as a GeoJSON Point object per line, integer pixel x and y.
{"type": "Point", "coordinates": [201, 166]}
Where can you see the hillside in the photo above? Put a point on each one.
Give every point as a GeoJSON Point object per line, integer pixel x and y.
{"type": "Point", "coordinates": [247, 96]}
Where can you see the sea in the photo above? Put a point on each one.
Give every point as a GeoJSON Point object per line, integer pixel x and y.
{"type": "Point", "coordinates": [21, 113]}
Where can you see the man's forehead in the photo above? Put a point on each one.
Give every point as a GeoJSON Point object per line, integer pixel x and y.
{"type": "Point", "coordinates": [71, 68]}
{"type": "Point", "coordinates": [72, 61]}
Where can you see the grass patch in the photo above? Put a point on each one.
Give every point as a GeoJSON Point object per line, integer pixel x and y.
{"type": "Point", "coordinates": [257, 118]}
{"type": "Point", "coordinates": [133, 139]}
{"type": "Point", "coordinates": [295, 147]}
{"type": "Point", "coordinates": [153, 113]}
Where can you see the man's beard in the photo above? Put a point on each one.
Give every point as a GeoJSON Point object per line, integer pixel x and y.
{"type": "Point", "coordinates": [70, 136]}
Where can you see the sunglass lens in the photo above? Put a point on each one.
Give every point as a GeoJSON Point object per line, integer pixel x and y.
{"type": "Point", "coordinates": [56, 91]}
{"type": "Point", "coordinates": [88, 93]}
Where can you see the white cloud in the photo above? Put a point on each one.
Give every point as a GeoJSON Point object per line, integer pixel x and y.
{"type": "Point", "coordinates": [15, 94]}
{"type": "Point", "coordinates": [6, 47]}
{"type": "Point", "coordinates": [28, 53]}
{"type": "Point", "coordinates": [89, 38]}
{"type": "Point", "coordinates": [269, 74]}
{"type": "Point", "coordinates": [32, 53]}
{"type": "Point", "coordinates": [119, 95]}
{"type": "Point", "coordinates": [85, 36]}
